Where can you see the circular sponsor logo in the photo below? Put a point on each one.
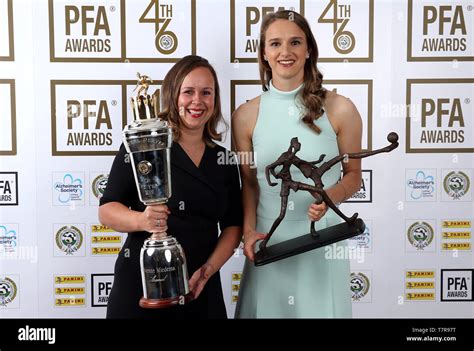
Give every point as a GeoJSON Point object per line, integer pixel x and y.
{"type": "Point", "coordinates": [99, 184]}
{"type": "Point", "coordinates": [69, 239]}
{"type": "Point", "coordinates": [360, 286]}
{"type": "Point", "coordinates": [8, 291]}
{"type": "Point", "coordinates": [420, 235]}
{"type": "Point", "coordinates": [144, 167]}
{"type": "Point", "coordinates": [456, 184]}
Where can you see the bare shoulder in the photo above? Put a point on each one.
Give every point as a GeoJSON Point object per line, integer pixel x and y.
{"type": "Point", "coordinates": [340, 110]}
{"type": "Point", "coordinates": [245, 116]}
{"type": "Point", "coordinates": [247, 110]}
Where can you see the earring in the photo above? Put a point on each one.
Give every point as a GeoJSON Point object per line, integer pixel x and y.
{"type": "Point", "coordinates": [265, 58]}
{"type": "Point", "coordinates": [307, 56]}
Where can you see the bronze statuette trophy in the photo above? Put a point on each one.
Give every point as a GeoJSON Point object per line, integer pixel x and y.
{"type": "Point", "coordinates": [148, 141]}
{"type": "Point", "coordinates": [349, 228]}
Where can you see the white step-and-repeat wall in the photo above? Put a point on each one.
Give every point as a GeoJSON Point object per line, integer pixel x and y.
{"type": "Point", "coordinates": [406, 64]}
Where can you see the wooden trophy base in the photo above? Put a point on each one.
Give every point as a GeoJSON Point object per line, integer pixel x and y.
{"type": "Point", "coordinates": [165, 303]}
{"type": "Point", "coordinates": [309, 242]}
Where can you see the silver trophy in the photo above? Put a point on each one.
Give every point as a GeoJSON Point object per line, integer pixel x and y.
{"type": "Point", "coordinates": [148, 141]}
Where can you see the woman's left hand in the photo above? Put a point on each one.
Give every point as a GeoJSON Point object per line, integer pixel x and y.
{"type": "Point", "coordinates": [317, 211]}
{"type": "Point", "coordinates": [200, 278]}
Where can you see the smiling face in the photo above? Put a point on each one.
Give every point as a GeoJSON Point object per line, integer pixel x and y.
{"type": "Point", "coordinates": [286, 51]}
{"type": "Point", "coordinates": [196, 99]}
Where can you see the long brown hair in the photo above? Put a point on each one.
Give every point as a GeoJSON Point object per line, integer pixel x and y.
{"type": "Point", "coordinates": [170, 90]}
{"type": "Point", "coordinates": [313, 94]}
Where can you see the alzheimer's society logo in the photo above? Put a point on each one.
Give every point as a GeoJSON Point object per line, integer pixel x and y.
{"type": "Point", "coordinates": [68, 188]}
{"type": "Point", "coordinates": [420, 185]}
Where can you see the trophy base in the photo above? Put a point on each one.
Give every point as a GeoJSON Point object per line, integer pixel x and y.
{"type": "Point", "coordinates": [165, 303]}
{"type": "Point", "coordinates": [309, 242]}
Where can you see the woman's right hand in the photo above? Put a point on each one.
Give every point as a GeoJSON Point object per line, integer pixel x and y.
{"type": "Point", "coordinates": [250, 239]}
{"type": "Point", "coordinates": [154, 219]}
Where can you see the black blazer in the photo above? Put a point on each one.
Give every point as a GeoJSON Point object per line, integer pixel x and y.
{"type": "Point", "coordinates": [204, 199]}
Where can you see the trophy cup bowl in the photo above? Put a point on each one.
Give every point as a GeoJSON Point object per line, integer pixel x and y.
{"type": "Point", "coordinates": [148, 141]}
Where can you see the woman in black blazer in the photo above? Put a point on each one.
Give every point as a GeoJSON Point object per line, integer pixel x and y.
{"type": "Point", "coordinates": [204, 212]}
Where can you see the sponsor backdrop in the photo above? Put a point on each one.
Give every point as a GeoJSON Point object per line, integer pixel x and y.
{"type": "Point", "coordinates": [68, 69]}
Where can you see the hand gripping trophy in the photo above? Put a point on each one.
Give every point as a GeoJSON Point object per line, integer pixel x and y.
{"type": "Point", "coordinates": [353, 226]}
{"type": "Point", "coordinates": [148, 141]}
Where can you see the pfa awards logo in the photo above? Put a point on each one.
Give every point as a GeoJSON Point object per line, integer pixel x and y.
{"type": "Point", "coordinates": [439, 116]}
{"type": "Point", "coordinates": [98, 183]}
{"type": "Point", "coordinates": [7, 117]}
{"type": "Point", "coordinates": [420, 285]}
{"type": "Point", "coordinates": [364, 194]}
{"type": "Point", "coordinates": [360, 287]}
{"type": "Point", "coordinates": [101, 287]}
{"type": "Point", "coordinates": [360, 92]}
{"type": "Point", "coordinates": [122, 30]}
{"type": "Point", "coordinates": [245, 21]}
{"type": "Point", "coordinates": [457, 285]}
{"type": "Point", "coordinates": [8, 238]}
{"type": "Point", "coordinates": [345, 29]}
{"type": "Point", "coordinates": [68, 188]}
{"type": "Point", "coordinates": [440, 30]}
{"type": "Point", "coordinates": [69, 240]}
{"type": "Point", "coordinates": [8, 188]}
{"type": "Point", "coordinates": [6, 30]}
{"type": "Point", "coordinates": [9, 291]}
{"type": "Point", "coordinates": [69, 290]}
{"type": "Point", "coordinates": [420, 185]}
{"type": "Point", "coordinates": [87, 117]}
{"type": "Point", "coordinates": [456, 185]}
{"type": "Point", "coordinates": [420, 235]}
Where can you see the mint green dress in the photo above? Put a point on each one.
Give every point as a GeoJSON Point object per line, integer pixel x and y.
{"type": "Point", "coordinates": [310, 285]}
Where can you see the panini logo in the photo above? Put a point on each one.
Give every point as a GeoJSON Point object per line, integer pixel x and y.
{"type": "Point", "coordinates": [456, 246]}
{"type": "Point", "coordinates": [8, 188]}
{"type": "Point", "coordinates": [88, 31]}
{"type": "Point", "coordinates": [100, 228]}
{"type": "Point", "coordinates": [105, 250]}
{"type": "Point", "coordinates": [88, 116]}
{"type": "Point", "coordinates": [457, 285]}
{"type": "Point", "coordinates": [69, 291]}
{"type": "Point", "coordinates": [72, 285]}
{"type": "Point", "coordinates": [420, 274]}
{"type": "Point", "coordinates": [349, 23]}
{"type": "Point", "coordinates": [6, 31]}
{"type": "Point", "coordinates": [421, 296]}
{"type": "Point", "coordinates": [420, 285]}
{"type": "Point", "coordinates": [79, 301]}
{"type": "Point", "coordinates": [245, 21]}
{"type": "Point", "coordinates": [456, 235]}
{"type": "Point", "coordinates": [76, 279]}
{"type": "Point", "coordinates": [7, 116]}
{"type": "Point", "coordinates": [440, 31]}
{"type": "Point", "coordinates": [439, 116]}
{"type": "Point", "coordinates": [456, 224]}
{"type": "Point", "coordinates": [365, 192]}
{"type": "Point", "coordinates": [235, 286]}
{"type": "Point", "coordinates": [107, 239]}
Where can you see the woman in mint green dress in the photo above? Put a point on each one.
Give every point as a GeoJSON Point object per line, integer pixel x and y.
{"type": "Point", "coordinates": [294, 104]}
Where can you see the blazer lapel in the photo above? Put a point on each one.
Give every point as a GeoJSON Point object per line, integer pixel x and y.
{"type": "Point", "coordinates": [180, 159]}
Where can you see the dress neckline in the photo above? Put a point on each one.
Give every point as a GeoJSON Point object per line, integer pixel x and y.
{"type": "Point", "coordinates": [280, 94]}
